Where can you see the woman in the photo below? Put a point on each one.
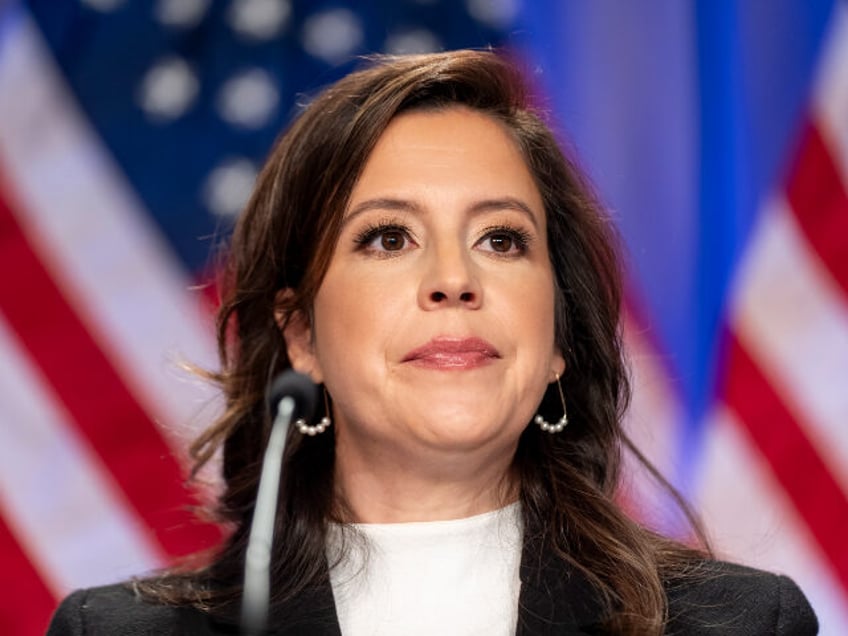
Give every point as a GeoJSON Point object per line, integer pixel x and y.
{"type": "Point", "coordinates": [418, 245]}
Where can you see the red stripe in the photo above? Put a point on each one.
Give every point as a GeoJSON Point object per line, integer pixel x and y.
{"type": "Point", "coordinates": [103, 409]}
{"type": "Point", "coordinates": [818, 198]}
{"type": "Point", "coordinates": [26, 603]}
{"type": "Point", "coordinates": [794, 461]}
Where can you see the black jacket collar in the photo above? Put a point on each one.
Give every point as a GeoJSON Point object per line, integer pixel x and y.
{"type": "Point", "coordinates": [555, 598]}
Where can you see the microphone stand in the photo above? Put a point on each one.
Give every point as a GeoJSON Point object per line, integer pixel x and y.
{"type": "Point", "coordinates": [257, 565]}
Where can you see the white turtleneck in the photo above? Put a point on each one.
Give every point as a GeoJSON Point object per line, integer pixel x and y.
{"type": "Point", "coordinates": [438, 577]}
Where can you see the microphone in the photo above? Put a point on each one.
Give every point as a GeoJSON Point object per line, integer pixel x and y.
{"type": "Point", "coordinates": [290, 395]}
{"type": "Point", "coordinates": [299, 387]}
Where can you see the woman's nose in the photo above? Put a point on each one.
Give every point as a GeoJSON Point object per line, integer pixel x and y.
{"type": "Point", "coordinates": [450, 281]}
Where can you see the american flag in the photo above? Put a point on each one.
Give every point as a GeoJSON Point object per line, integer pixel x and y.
{"type": "Point", "coordinates": [130, 135]}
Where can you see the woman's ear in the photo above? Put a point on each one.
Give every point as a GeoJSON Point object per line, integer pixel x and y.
{"type": "Point", "coordinates": [558, 366]}
{"type": "Point", "coordinates": [297, 333]}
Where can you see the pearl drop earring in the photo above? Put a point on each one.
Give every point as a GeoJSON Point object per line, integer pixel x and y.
{"type": "Point", "coordinates": [321, 426]}
{"type": "Point", "coordinates": [562, 422]}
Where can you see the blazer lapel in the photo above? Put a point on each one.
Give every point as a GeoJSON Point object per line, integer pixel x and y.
{"type": "Point", "coordinates": [555, 598]}
{"type": "Point", "coordinates": [312, 613]}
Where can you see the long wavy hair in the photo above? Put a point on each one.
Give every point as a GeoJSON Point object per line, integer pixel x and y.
{"type": "Point", "coordinates": [284, 240]}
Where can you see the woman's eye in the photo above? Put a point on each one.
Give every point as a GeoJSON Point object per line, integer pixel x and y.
{"type": "Point", "coordinates": [500, 242]}
{"type": "Point", "coordinates": [505, 241]}
{"type": "Point", "coordinates": [383, 239]}
{"type": "Point", "coordinates": [390, 240]}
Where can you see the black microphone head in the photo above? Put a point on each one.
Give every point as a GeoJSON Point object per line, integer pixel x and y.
{"type": "Point", "coordinates": [297, 386]}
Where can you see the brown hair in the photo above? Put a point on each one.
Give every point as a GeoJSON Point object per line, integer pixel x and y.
{"type": "Point", "coordinates": [284, 240]}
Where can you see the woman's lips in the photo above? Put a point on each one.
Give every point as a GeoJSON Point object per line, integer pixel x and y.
{"type": "Point", "coordinates": [452, 353]}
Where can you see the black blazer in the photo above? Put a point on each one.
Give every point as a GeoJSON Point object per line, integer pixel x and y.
{"type": "Point", "coordinates": [725, 599]}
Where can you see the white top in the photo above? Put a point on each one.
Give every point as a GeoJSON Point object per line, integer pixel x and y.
{"type": "Point", "coordinates": [457, 577]}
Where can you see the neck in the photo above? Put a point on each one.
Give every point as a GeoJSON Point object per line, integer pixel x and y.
{"type": "Point", "coordinates": [414, 487]}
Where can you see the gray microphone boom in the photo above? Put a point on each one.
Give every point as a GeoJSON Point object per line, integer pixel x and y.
{"type": "Point", "coordinates": [290, 396]}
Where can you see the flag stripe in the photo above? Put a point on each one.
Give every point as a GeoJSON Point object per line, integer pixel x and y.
{"type": "Point", "coordinates": [752, 520]}
{"type": "Point", "coordinates": [97, 400]}
{"type": "Point", "coordinates": [793, 321]}
{"type": "Point", "coordinates": [58, 497]}
{"type": "Point", "coordinates": [653, 424]}
{"type": "Point", "coordinates": [27, 603]}
{"type": "Point", "coordinates": [119, 274]}
{"type": "Point", "coordinates": [817, 195]}
{"type": "Point", "coordinates": [796, 465]}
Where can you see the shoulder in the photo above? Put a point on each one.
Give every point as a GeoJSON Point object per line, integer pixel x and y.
{"type": "Point", "coordinates": [118, 609]}
{"type": "Point", "coordinates": [716, 597]}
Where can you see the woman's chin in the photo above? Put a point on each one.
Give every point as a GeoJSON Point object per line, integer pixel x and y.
{"type": "Point", "coordinates": [456, 430]}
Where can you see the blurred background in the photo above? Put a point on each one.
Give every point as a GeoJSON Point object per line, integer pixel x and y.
{"type": "Point", "coordinates": [130, 135]}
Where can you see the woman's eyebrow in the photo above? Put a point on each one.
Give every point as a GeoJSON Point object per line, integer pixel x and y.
{"type": "Point", "coordinates": [381, 203]}
{"type": "Point", "coordinates": [404, 205]}
{"type": "Point", "coordinates": [504, 203]}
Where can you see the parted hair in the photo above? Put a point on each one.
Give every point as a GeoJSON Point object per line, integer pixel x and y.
{"type": "Point", "coordinates": [284, 240]}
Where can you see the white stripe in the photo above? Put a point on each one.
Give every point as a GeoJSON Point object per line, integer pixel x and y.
{"type": "Point", "coordinates": [55, 494]}
{"type": "Point", "coordinates": [791, 317]}
{"type": "Point", "coordinates": [750, 521]}
{"type": "Point", "coordinates": [92, 233]}
{"type": "Point", "coordinates": [830, 97]}
{"type": "Point", "coordinates": [652, 423]}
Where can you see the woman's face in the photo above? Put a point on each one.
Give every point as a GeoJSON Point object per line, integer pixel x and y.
{"type": "Point", "coordinates": [433, 329]}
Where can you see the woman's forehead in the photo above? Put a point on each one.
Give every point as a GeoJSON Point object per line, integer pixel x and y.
{"type": "Point", "coordinates": [455, 152]}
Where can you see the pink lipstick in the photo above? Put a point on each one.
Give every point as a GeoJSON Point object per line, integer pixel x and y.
{"type": "Point", "coordinates": [452, 353]}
